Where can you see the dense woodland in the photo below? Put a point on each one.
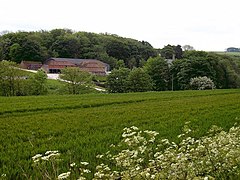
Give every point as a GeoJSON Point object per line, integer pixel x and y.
{"type": "Point", "coordinates": [136, 65]}
{"type": "Point", "coordinates": [38, 46]}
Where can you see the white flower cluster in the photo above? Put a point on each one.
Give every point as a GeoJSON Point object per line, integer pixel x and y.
{"type": "Point", "coordinates": [201, 83]}
{"type": "Point", "coordinates": [140, 156]}
{"type": "Point", "coordinates": [46, 157]}
{"type": "Point", "coordinates": [64, 175]}
{"type": "Point", "coordinates": [42, 162]}
{"type": "Point", "coordinates": [214, 156]}
{"type": "Point", "coordinates": [76, 171]}
{"type": "Point", "coordinates": [136, 145]}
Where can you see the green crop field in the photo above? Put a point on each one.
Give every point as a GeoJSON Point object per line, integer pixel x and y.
{"type": "Point", "coordinates": [83, 126]}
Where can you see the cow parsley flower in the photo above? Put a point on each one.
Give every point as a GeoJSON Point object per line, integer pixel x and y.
{"type": "Point", "coordinates": [84, 163]}
{"type": "Point", "coordinates": [64, 175]}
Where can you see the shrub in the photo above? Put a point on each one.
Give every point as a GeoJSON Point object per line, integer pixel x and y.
{"type": "Point", "coordinates": [201, 83]}
{"type": "Point", "coordinates": [140, 155]}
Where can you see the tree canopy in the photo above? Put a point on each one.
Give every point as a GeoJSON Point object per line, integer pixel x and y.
{"type": "Point", "coordinates": [223, 70]}
{"type": "Point", "coordinates": [75, 78]}
{"type": "Point", "coordinates": [158, 70]}
{"type": "Point", "coordinates": [40, 45]}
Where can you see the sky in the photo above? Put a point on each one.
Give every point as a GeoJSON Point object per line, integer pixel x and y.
{"type": "Point", "coordinates": [209, 25]}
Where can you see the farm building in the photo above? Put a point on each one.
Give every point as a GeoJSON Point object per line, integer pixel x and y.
{"type": "Point", "coordinates": [54, 65]}
{"type": "Point", "coordinates": [31, 65]}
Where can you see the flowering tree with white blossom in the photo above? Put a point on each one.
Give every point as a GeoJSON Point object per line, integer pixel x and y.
{"type": "Point", "coordinates": [201, 83]}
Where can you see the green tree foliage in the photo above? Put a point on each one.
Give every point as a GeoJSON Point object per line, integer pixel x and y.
{"type": "Point", "coordinates": [158, 69]}
{"type": "Point", "coordinates": [75, 78]}
{"type": "Point", "coordinates": [15, 52]}
{"type": "Point", "coordinates": [11, 79]}
{"type": "Point", "coordinates": [67, 46]}
{"type": "Point", "coordinates": [168, 52]}
{"type": "Point", "coordinates": [5, 44]}
{"type": "Point", "coordinates": [15, 82]}
{"type": "Point", "coordinates": [171, 52]}
{"type": "Point", "coordinates": [38, 83]}
{"type": "Point", "coordinates": [39, 46]}
{"type": "Point", "coordinates": [125, 80]}
{"type": "Point", "coordinates": [139, 80]}
{"type": "Point", "coordinates": [117, 81]}
{"type": "Point", "coordinates": [120, 64]}
{"type": "Point", "coordinates": [178, 52]}
{"type": "Point", "coordinates": [224, 71]}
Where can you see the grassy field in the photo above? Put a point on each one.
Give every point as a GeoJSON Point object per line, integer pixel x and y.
{"type": "Point", "coordinates": [234, 54]}
{"type": "Point", "coordinates": [82, 126]}
{"type": "Point", "coordinates": [56, 87]}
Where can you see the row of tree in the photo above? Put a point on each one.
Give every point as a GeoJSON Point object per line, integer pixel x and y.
{"type": "Point", "coordinates": [196, 70]}
{"type": "Point", "coordinates": [38, 46]}
{"type": "Point", "coordinates": [158, 74]}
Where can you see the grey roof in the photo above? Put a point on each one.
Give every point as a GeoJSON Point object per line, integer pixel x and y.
{"type": "Point", "coordinates": [74, 61]}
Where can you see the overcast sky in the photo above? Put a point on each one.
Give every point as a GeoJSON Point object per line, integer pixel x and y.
{"type": "Point", "coordinates": [211, 25]}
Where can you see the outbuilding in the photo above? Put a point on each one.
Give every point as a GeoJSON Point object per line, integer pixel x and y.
{"type": "Point", "coordinates": [31, 65]}
{"type": "Point", "coordinates": [94, 66]}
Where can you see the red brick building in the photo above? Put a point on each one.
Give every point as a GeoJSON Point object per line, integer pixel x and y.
{"type": "Point", "coordinates": [55, 65]}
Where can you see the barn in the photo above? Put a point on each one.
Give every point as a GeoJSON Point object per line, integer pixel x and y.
{"type": "Point", "coordinates": [31, 65]}
{"type": "Point", "coordinates": [94, 66]}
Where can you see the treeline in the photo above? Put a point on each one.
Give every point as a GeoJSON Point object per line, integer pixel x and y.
{"type": "Point", "coordinates": [195, 70]}
{"type": "Point", "coordinates": [136, 65]}
{"type": "Point", "coordinates": [38, 46]}
{"type": "Point", "coordinates": [159, 74]}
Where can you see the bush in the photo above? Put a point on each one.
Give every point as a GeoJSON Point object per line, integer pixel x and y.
{"type": "Point", "coordinates": [141, 156]}
{"type": "Point", "coordinates": [201, 83]}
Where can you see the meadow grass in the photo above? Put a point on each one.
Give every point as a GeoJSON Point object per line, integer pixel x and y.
{"type": "Point", "coordinates": [83, 126]}
{"type": "Point", "coordinates": [56, 87]}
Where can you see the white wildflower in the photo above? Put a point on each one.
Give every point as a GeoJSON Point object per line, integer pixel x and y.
{"type": "Point", "coordinates": [99, 175]}
{"type": "Point", "coordinates": [53, 155]}
{"type": "Point", "coordinates": [50, 152]}
{"type": "Point", "coordinates": [112, 145]}
{"type": "Point", "coordinates": [49, 156]}
{"type": "Point", "coordinates": [36, 157]}
{"type": "Point", "coordinates": [86, 171]}
{"type": "Point", "coordinates": [64, 175]}
{"type": "Point", "coordinates": [84, 163]}
{"type": "Point", "coordinates": [128, 134]}
{"type": "Point", "coordinates": [73, 164]}
{"type": "Point", "coordinates": [153, 176]}
{"type": "Point", "coordinates": [99, 156]}
{"type": "Point", "coordinates": [148, 175]}
{"type": "Point", "coordinates": [81, 178]}
{"type": "Point", "coordinates": [151, 133]}
{"type": "Point", "coordinates": [134, 128]}
{"type": "Point", "coordinates": [45, 158]}
{"type": "Point", "coordinates": [138, 168]}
